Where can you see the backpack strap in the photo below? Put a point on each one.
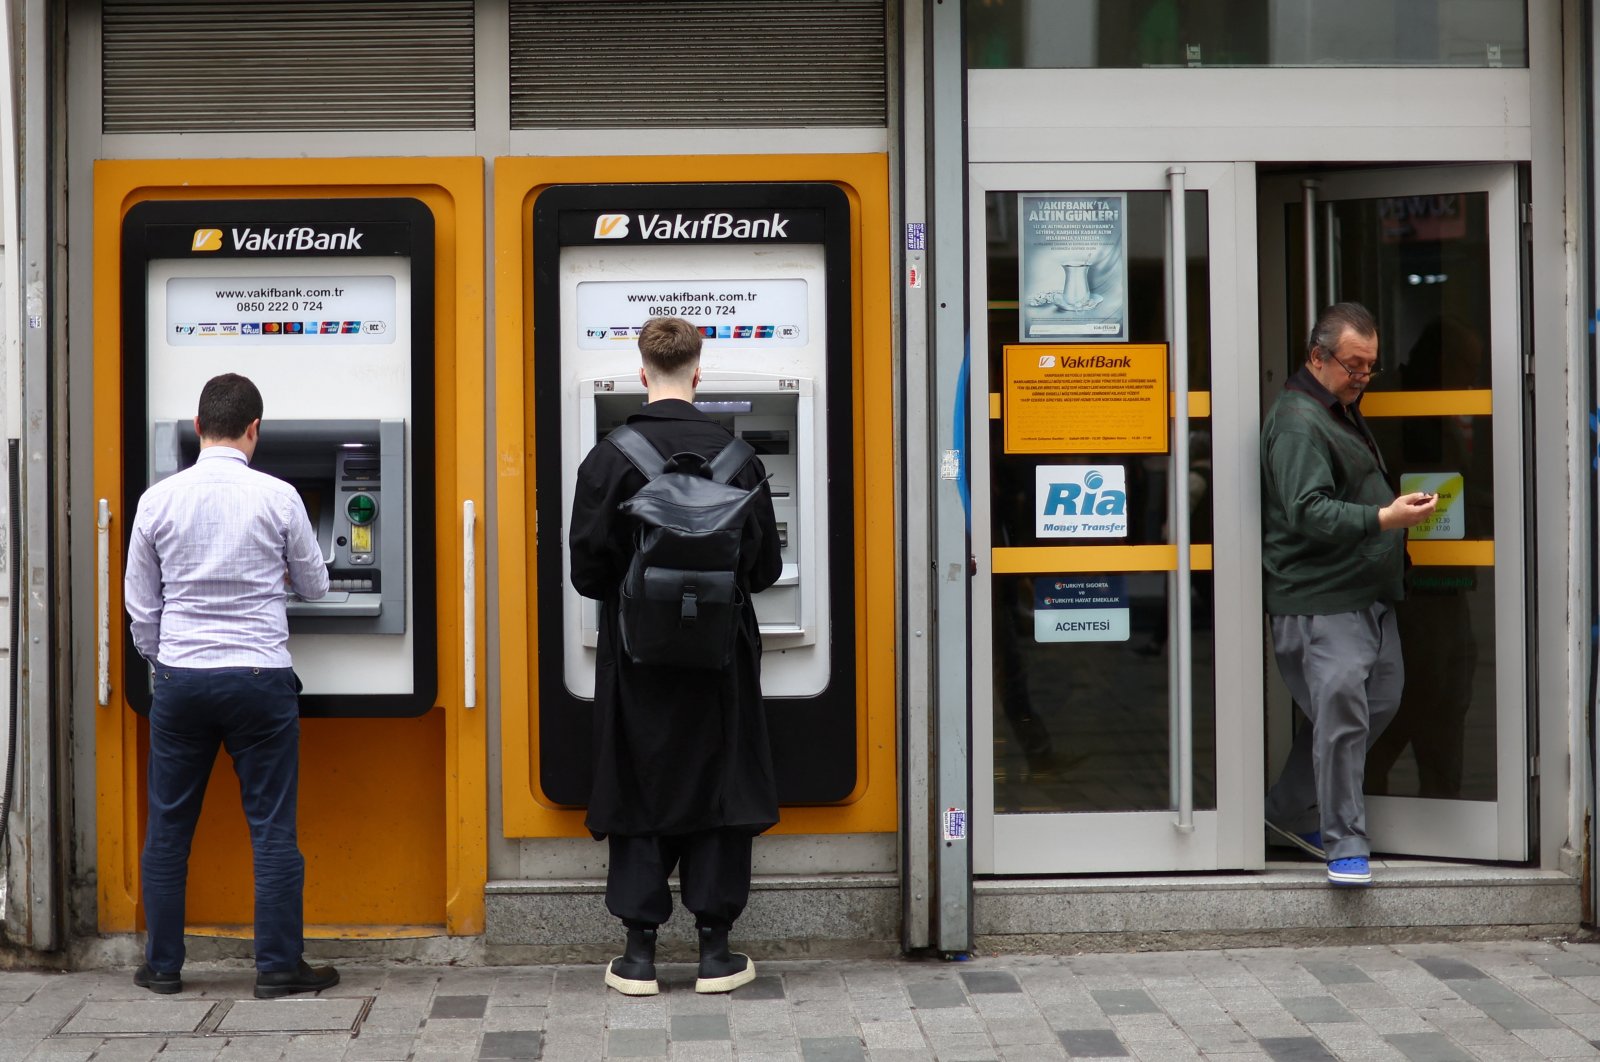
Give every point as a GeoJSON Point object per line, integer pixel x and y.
{"type": "Point", "coordinates": [637, 449]}
{"type": "Point", "coordinates": [648, 460]}
{"type": "Point", "coordinates": [730, 459]}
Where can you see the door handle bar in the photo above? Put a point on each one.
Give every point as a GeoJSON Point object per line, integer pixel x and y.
{"type": "Point", "coordinates": [1182, 667]}
{"type": "Point", "coordinates": [469, 605]}
{"type": "Point", "coordinates": [102, 544]}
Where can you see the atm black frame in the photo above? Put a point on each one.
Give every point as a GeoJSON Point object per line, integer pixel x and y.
{"type": "Point", "coordinates": [814, 739]}
{"type": "Point", "coordinates": [149, 232]}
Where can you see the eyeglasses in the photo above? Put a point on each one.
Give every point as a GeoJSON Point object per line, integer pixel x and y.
{"type": "Point", "coordinates": [1353, 373]}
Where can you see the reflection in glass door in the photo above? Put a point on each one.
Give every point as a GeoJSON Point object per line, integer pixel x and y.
{"type": "Point", "coordinates": [1434, 254]}
{"type": "Point", "coordinates": [1110, 693]}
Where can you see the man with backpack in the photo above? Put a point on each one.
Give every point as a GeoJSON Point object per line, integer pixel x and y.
{"type": "Point", "coordinates": [672, 538]}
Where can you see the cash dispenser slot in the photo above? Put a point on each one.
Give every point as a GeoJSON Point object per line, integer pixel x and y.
{"type": "Point", "coordinates": [351, 476]}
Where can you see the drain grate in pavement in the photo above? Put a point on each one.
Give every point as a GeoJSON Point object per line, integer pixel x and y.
{"type": "Point", "coordinates": [243, 1017]}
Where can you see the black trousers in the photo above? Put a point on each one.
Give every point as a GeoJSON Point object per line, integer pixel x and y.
{"type": "Point", "coordinates": [713, 870]}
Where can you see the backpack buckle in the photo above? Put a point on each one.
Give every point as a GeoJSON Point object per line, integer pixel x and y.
{"type": "Point", "coordinates": [690, 610]}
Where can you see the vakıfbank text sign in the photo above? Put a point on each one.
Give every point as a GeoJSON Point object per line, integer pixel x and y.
{"type": "Point", "coordinates": [1086, 399]}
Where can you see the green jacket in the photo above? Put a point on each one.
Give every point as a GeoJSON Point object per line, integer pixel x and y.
{"type": "Point", "coordinates": [1322, 484]}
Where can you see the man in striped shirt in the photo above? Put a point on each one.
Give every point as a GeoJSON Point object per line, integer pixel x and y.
{"type": "Point", "coordinates": [214, 551]}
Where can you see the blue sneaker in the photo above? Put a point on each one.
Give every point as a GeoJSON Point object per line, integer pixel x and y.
{"type": "Point", "coordinates": [1310, 843]}
{"type": "Point", "coordinates": [1351, 871]}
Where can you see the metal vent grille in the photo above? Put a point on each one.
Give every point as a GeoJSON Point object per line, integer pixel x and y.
{"type": "Point", "coordinates": [187, 66]}
{"type": "Point", "coordinates": [584, 63]}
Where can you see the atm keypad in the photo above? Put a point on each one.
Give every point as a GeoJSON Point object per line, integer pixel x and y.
{"type": "Point", "coordinates": [350, 584]}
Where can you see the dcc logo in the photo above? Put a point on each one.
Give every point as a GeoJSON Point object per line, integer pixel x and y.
{"type": "Point", "coordinates": [1090, 497]}
{"type": "Point", "coordinates": [207, 240]}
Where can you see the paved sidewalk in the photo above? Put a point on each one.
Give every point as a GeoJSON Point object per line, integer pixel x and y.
{"type": "Point", "coordinates": [1418, 1002]}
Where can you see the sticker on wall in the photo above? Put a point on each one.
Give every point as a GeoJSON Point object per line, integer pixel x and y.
{"type": "Point", "coordinates": [1449, 513]}
{"type": "Point", "coordinates": [955, 824]}
{"type": "Point", "coordinates": [1081, 501]}
{"type": "Point", "coordinates": [1080, 608]}
{"type": "Point", "coordinates": [1074, 267]}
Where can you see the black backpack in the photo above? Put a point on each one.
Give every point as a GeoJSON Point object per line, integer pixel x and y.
{"type": "Point", "coordinates": [681, 601]}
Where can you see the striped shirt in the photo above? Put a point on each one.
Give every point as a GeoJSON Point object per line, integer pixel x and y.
{"type": "Point", "coordinates": [214, 552]}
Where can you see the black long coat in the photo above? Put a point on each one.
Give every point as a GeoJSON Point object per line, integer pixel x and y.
{"type": "Point", "coordinates": [676, 749]}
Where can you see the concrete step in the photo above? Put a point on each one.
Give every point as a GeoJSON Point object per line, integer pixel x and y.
{"type": "Point", "coordinates": [1287, 903]}
{"type": "Point", "coordinates": [859, 915]}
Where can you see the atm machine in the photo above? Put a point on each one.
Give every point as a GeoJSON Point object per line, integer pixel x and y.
{"type": "Point", "coordinates": [313, 300]}
{"type": "Point", "coordinates": [763, 270]}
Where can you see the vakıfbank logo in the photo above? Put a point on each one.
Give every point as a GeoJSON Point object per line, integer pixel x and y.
{"type": "Point", "coordinates": [610, 226]}
{"type": "Point", "coordinates": [207, 240]}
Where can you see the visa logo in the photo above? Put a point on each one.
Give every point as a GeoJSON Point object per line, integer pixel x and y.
{"type": "Point", "coordinates": [610, 226]}
{"type": "Point", "coordinates": [207, 240]}
{"type": "Point", "coordinates": [300, 238]}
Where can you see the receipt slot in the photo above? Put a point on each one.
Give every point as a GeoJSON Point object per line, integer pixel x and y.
{"type": "Point", "coordinates": [764, 272]}
{"type": "Point", "coordinates": [327, 305]}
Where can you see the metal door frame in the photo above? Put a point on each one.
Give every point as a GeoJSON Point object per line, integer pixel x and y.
{"type": "Point", "coordinates": [1230, 836]}
{"type": "Point", "coordinates": [1457, 829]}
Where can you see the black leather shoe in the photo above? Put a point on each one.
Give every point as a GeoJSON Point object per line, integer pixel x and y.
{"type": "Point", "coordinates": [289, 982]}
{"type": "Point", "coordinates": [162, 984]}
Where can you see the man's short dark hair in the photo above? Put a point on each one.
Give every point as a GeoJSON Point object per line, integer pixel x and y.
{"type": "Point", "coordinates": [1333, 322]}
{"type": "Point", "coordinates": [229, 404]}
{"type": "Point", "coordinates": [669, 345]}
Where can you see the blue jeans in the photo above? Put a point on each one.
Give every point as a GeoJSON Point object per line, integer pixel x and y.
{"type": "Point", "coordinates": [255, 714]}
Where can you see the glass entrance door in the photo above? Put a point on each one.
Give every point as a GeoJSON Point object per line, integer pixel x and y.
{"type": "Point", "coordinates": [1435, 254]}
{"type": "Point", "coordinates": [1116, 604]}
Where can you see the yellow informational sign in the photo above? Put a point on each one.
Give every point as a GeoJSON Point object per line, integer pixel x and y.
{"type": "Point", "coordinates": [1449, 519]}
{"type": "Point", "coordinates": [1086, 398]}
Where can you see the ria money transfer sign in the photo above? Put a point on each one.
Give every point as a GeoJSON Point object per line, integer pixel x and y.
{"type": "Point", "coordinates": [1081, 501]}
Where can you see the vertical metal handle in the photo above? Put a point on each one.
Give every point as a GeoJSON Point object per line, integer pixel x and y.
{"type": "Point", "coordinates": [469, 605]}
{"type": "Point", "coordinates": [1182, 685]}
{"type": "Point", "coordinates": [102, 543]}
{"type": "Point", "coordinates": [1308, 221]}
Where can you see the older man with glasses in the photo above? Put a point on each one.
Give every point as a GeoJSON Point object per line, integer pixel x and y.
{"type": "Point", "coordinates": [1333, 565]}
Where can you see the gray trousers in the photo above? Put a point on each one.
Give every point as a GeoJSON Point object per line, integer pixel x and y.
{"type": "Point", "coordinates": [1345, 673]}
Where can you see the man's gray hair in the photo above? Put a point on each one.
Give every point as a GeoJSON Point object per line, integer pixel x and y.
{"type": "Point", "coordinates": [1334, 321]}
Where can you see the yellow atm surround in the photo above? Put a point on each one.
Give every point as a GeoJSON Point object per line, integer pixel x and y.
{"type": "Point", "coordinates": [392, 810]}
{"type": "Point", "coordinates": [529, 811]}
